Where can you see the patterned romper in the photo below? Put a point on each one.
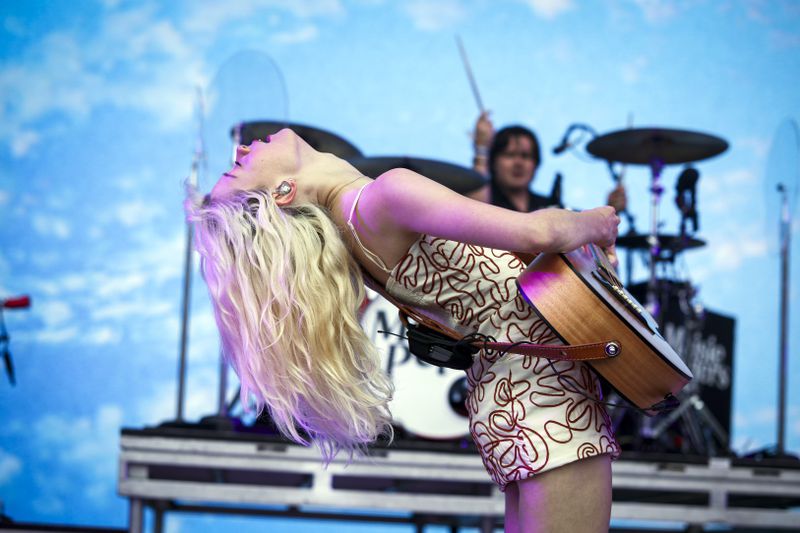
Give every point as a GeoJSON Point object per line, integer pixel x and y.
{"type": "Point", "coordinates": [525, 414]}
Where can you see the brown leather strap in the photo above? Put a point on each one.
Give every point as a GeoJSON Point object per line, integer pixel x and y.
{"type": "Point", "coordinates": [577, 352]}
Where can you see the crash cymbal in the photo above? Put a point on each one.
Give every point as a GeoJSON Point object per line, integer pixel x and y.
{"type": "Point", "coordinates": [319, 139]}
{"type": "Point", "coordinates": [667, 242]}
{"type": "Point", "coordinates": [455, 177]}
{"type": "Point", "coordinates": [644, 146]}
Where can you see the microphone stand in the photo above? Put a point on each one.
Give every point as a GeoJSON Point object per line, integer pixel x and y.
{"type": "Point", "coordinates": [783, 366]}
{"type": "Point", "coordinates": [221, 420]}
{"type": "Point", "coordinates": [198, 164]}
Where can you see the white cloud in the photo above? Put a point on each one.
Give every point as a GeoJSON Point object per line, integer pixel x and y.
{"type": "Point", "coordinates": [303, 34]}
{"type": "Point", "coordinates": [86, 447]}
{"type": "Point", "coordinates": [56, 336]}
{"type": "Point", "coordinates": [764, 416]}
{"type": "Point", "coordinates": [137, 213]}
{"type": "Point", "coordinates": [731, 254]}
{"type": "Point", "coordinates": [10, 466]}
{"type": "Point", "coordinates": [102, 335]}
{"type": "Point", "coordinates": [114, 285]}
{"type": "Point", "coordinates": [657, 10]}
{"type": "Point", "coordinates": [54, 313]}
{"type": "Point", "coordinates": [631, 72]}
{"type": "Point", "coordinates": [71, 74]}
{"type": "Point", "coordinates": [726, 191]}
{"type": "Point", "coordinates": [757, 145]}
{"type": "Point", "coordinates": [88, 443]}
{"type": "Point", "coordinates": [209, 16]}
{"type": "Point", "coordinates": [129, 309]}
{"type": "Point", "coordinates": [51, 226]}
{"type": "Point", "coordinates": [434, 16]}
{"type": "Point", "coordinates": [23, 142]}
{"type": "Point", "coordinates": [549, 9]}
{"type": "Point", "coordinates": [200, 397]}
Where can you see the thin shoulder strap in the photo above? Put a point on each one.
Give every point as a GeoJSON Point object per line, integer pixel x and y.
{"type": "Point", "coordinates": [370, 255]}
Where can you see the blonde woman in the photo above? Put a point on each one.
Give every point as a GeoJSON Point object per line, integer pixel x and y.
{"type": "Point", "coordinates": [283, 237]}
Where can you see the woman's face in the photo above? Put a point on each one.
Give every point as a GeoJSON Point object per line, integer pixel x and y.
{"type": "Point", "coordinates": [264, 164]}
{"type": "Point", "coordinates": [515, 166]}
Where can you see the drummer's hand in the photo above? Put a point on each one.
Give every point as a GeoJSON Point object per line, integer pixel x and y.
{"type": "Point", "coordinates": [484, 131]}
{"type": "Point", "coordinates": [617, 198]}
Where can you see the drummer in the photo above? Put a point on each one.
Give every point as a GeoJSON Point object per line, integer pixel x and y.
{"type": "Point", "coordinates": [510, 158]}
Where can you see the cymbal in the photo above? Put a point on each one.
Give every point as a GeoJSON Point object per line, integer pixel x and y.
{"type": "Point", "coordinates": [319, 139]}
{"type": "Point", "coordinates": [667, 242]}
{"type": "Point", "coordinates": [455, 177]}
{"type": "Point", "coordinates": [644, 146]}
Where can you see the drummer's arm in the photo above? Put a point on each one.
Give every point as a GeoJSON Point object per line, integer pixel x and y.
{"type": "Point", "coordinates": [402, 200]}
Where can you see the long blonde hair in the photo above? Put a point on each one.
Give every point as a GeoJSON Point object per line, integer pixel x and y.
{"type": "Point", "coordinates": [286, 292]}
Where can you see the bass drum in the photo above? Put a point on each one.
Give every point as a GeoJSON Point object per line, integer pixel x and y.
{"type": "Point", "coordinates": [428, 400]}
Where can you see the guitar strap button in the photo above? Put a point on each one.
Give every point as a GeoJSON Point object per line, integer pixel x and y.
{"type": "Point", "coordinates": [612, 348]}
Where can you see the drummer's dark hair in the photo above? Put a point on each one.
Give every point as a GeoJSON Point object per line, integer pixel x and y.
{"type": "Point", "coordinates": [502, 139]}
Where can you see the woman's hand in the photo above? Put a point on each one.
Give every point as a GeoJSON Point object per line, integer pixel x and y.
{"type": "Point", "coordinates": [602, 223]}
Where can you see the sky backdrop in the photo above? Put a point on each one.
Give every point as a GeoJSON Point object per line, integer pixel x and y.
{"type": "Point", "coordinates": [99, 124]}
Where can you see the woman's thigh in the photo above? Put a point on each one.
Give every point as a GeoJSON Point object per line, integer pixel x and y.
{"type": "Point", "coordinates": [573, 497]}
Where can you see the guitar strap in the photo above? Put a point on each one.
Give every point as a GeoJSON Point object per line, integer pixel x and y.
{"type": "Point", "coordinates": [433, 338]}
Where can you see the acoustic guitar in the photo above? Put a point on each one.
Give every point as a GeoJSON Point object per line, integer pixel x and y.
{"type": "Point", "coordinates": [580, 296]}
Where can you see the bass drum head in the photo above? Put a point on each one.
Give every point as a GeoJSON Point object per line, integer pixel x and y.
{"type": "Point", "coordinates": [428, 400]}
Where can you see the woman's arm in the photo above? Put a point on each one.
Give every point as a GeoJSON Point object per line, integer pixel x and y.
{"type": "Point", "coordinates": [404, 200]}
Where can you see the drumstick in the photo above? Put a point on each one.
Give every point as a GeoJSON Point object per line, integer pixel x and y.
{"type": "Point", "coordinates": [471, 78]}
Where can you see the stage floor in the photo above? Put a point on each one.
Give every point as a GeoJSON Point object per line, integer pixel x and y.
{"type": "Point", "coordinates": [192, 469]}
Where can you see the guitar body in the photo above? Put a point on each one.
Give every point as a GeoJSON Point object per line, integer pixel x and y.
{"type": "Point", "coordinates": [580, 297]}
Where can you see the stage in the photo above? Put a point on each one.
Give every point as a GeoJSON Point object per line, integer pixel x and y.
{"type": "Point", "coordinates": [422, 483]}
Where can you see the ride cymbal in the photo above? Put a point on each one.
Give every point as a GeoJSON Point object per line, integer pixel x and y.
{"type": "Point", "coordinates": [646, 146]}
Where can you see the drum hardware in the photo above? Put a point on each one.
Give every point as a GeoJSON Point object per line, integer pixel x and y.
{"type": "Point", "coordinates": [686, 198]}
{"type": "Point", "coordinates": [568, 143]}
{"type": "Point", "coordinates": [452, 176]}
{"type": "Point", "coordinates": [669, 245]}
{"type": "Point", "coordinates": [655, 147]}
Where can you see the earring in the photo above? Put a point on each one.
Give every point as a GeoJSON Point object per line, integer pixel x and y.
{"type": "Point", "coordinates": [284, 189]}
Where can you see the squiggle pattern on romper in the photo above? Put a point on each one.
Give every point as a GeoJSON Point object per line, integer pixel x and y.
{"type": "Point", "coordinates": [527, 414]}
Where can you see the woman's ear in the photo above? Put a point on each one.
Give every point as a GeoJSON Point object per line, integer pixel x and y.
{"type": "Point", "coordinates": [285, 192]}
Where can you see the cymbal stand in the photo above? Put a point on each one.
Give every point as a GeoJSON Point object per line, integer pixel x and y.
{"type": "Point", "coordinates": [696, 430]}
{"type": "Point", "coordinates": [786, 237]}
{"type": "Point", "coordinates": [656, 189]}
